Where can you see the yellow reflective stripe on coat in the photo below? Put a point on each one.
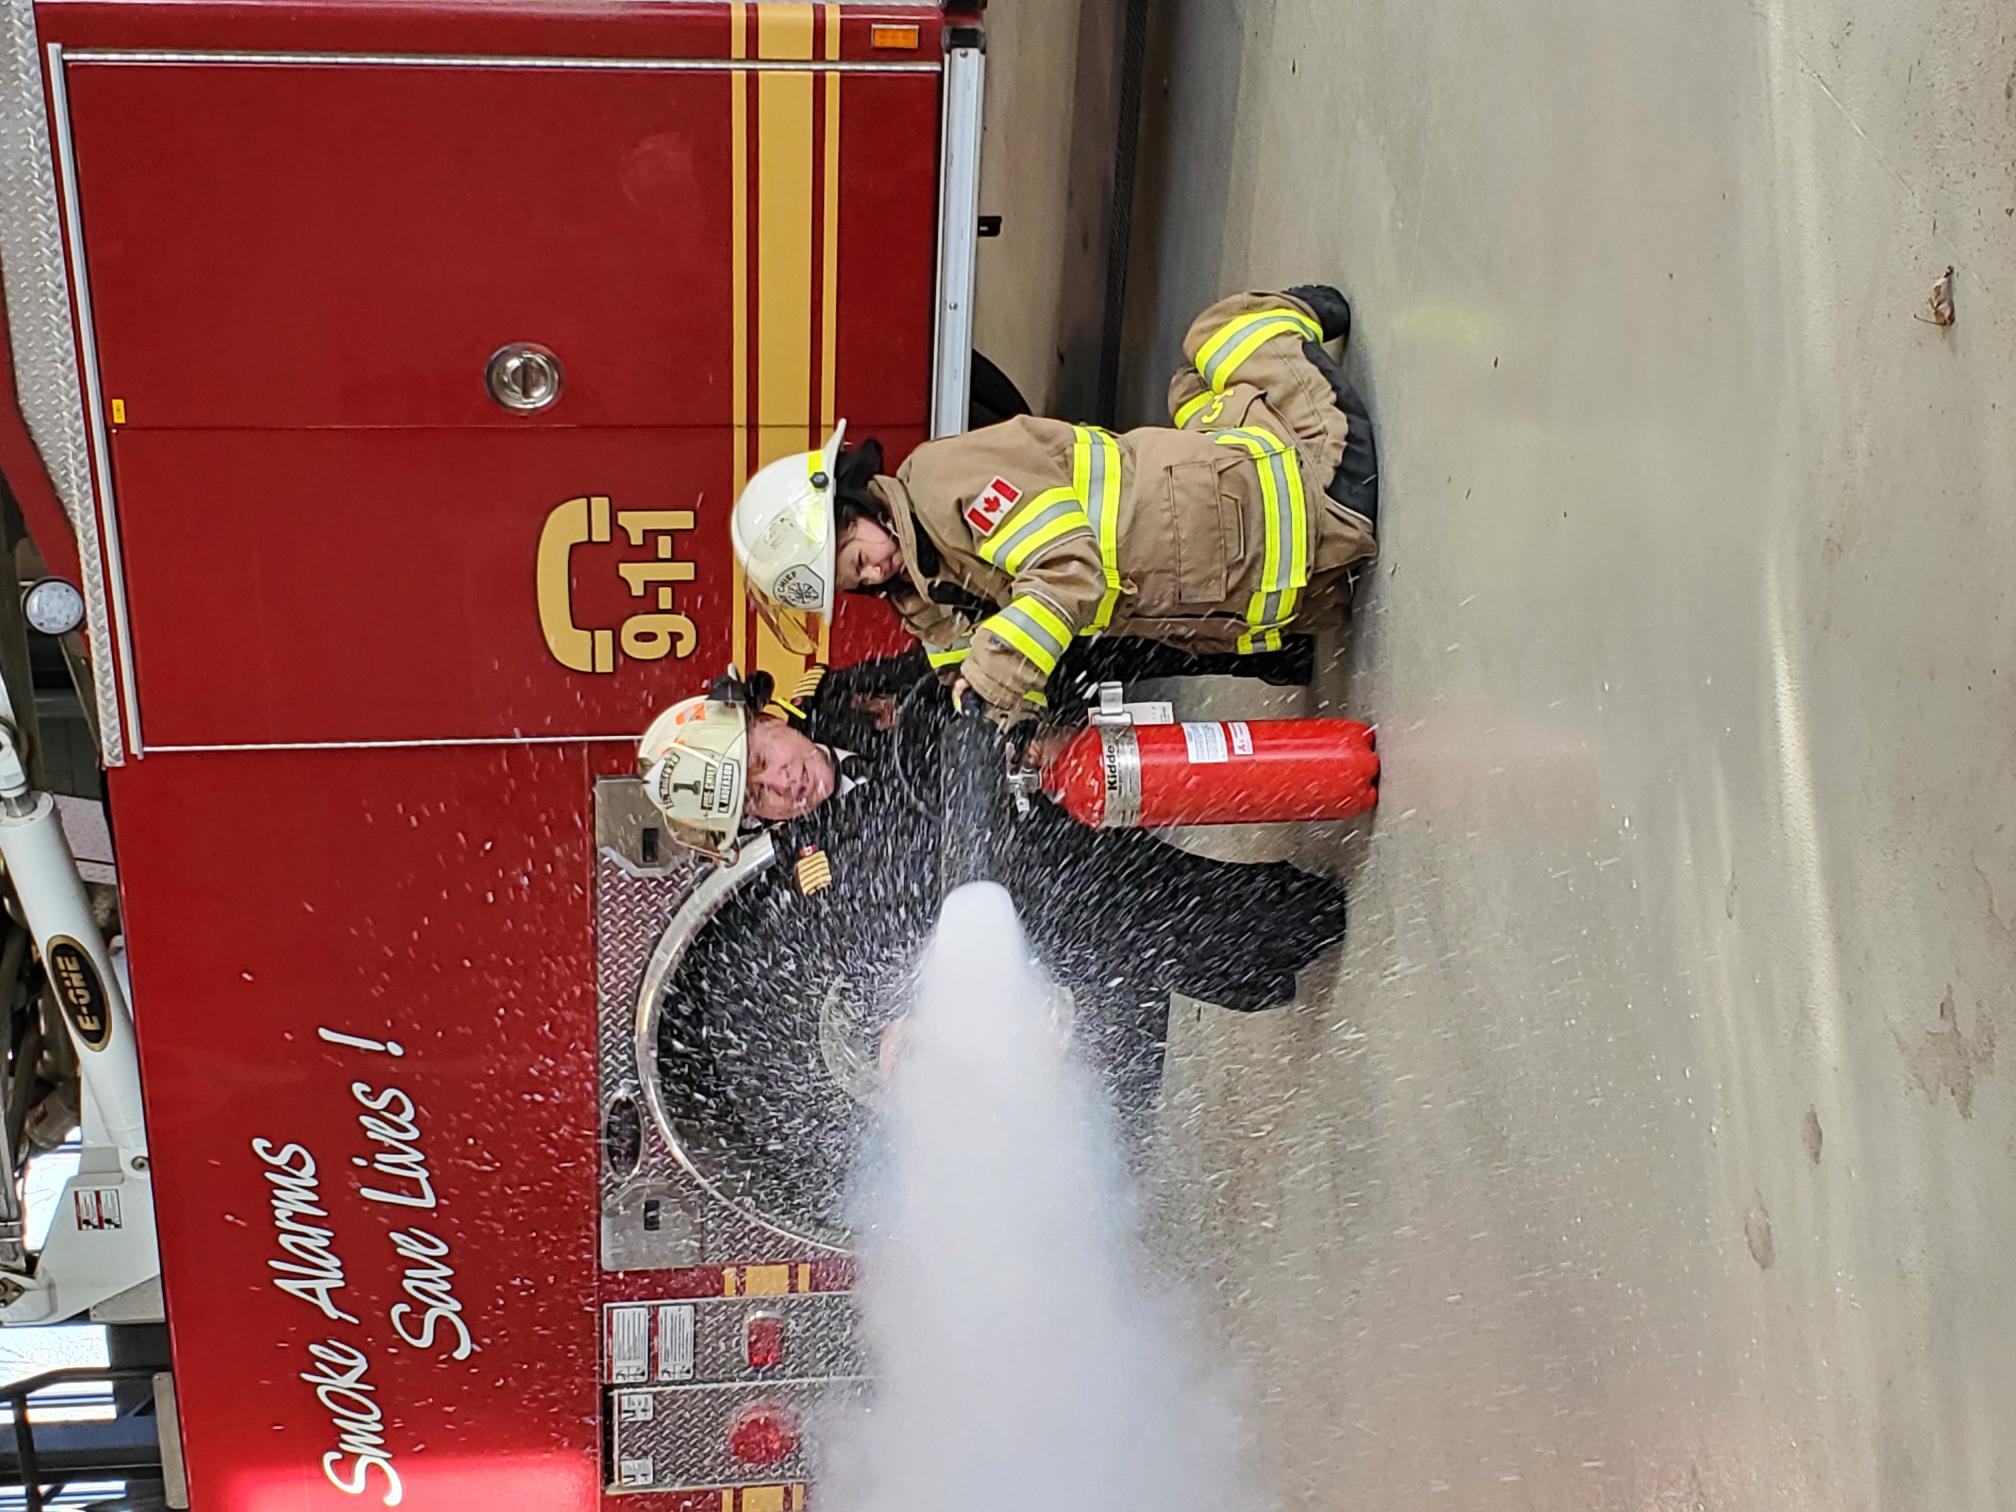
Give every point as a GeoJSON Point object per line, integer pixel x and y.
{"type": "Point", "coordinates": [1092, 502]}
{"type": "Point", "coordinates": [1188, 410]}
{"type": "Point", "coordinates": [1033, 628]}
{"type": "Point", "coordinates": [950, 657]}
{"type": "Point", "coordinates": [1051, 515]}
{"type": "Point", "coordinates": [1219, 358]}
{"type": "Point", "coordinates": [1095, 473]}
{"type": "Point", "coordinates": [1284, 566]}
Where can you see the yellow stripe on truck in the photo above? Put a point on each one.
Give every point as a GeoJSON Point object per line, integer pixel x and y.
{"type": "Point", "coordinates": [829, 269]}
{"type": "Point", "coordinates": [766, 1280]}
{"type": "Point", "coordinates": [738, 294]}
{"type": "Point", "coordinates": [784, 328]}
{"type": "Point", "coordinates": [778, 407]}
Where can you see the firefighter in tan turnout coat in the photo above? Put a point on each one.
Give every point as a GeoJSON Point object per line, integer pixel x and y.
{"type": "Point", "coordinates": [1001, 547]}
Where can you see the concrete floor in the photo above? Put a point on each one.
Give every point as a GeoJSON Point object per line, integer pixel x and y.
{"type": "Point", "coordinates": [1648, 1146]}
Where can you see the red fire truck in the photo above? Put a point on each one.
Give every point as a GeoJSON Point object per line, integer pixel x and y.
{"type": "Point", "coordinates": [382, 376]}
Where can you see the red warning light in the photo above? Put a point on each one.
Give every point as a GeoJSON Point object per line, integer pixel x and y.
{"type": "Point", "coordinates": [764, 1340]}
{"type": "Point", "coordinates": [762, 1433]}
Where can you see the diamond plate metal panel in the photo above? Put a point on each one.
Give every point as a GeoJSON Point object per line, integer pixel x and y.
{"type": "Point", "coordinates": [818, 1330]}
{"type": "Point", "coordinates": [676, 1437]}
{"type": "Point", "coordinates": [657, 1215]}
{"type": "Point", "coordinates": [35, 275]}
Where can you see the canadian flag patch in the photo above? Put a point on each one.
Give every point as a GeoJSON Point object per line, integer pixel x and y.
{"type": "Point", "coordinates": [985, 512]}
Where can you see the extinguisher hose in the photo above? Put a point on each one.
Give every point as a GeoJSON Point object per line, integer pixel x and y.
{"type": "Point", "coordinates": [973, 766]}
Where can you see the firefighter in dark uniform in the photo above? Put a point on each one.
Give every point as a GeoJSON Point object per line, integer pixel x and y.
{"type": "Point", "coordinates": [849, 774]}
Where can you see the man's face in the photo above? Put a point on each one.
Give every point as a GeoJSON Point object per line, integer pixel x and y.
{"type": "Point", "coordinates": [867, 556]}
{"type": "Point", "coordinates": [789, 776]}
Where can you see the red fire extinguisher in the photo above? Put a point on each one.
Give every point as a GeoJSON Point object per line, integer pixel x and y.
{"type": "Point", "coordinates": [1259, 771]}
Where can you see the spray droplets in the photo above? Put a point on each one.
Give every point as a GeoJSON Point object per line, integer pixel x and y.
{"type": "Point", "coordinates": [1025, 1354]}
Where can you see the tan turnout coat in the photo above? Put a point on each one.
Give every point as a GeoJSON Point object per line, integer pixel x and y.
{"type": "Point", "coordinates": [1214, 535]}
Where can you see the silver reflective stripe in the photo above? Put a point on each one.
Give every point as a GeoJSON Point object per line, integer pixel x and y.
{"type": "Point", "coordinates": [1220, 367]}
{"type": "Point", "coordinates": [1034, 628]}
{"type": "Point", "coordinates": [1001, 551]}
{"type": "Point", "coordinates": [1284, 561]}
{"type": "Point", "coordinates": [1095, 485]}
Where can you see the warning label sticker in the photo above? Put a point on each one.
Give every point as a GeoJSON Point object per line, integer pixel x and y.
{"type": "Point", "coordinates": [1206, 743]}
{"type": "Point", "coordinates": [626, 1345]}
{"type": "Point", "coordinates": [1242, 738]}
{"type": "Point", "coordinates": [675, 1341]}
{"type": "Point", "coordinates": [97, 1208]}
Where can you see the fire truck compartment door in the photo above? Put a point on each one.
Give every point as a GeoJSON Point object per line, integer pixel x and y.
{"type": "Point", "coordinates": [310, 245]}
{"type": "Point", "coordinates": [420, 585]}
{"type": "Point", "coordinates": [349, 246]}
{"type": "Point", "coordinates": [330, 530]}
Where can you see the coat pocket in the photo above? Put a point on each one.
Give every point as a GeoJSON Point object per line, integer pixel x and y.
{"type": "Point", "coordinates": [1206, 544]}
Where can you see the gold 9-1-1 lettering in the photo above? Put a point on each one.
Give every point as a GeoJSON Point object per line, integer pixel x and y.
{"type": "Point", "coordinates": [657, 630]}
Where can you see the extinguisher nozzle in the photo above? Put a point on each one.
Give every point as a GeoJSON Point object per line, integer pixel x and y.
{"type": "Point", "coordinates": [973, 763]}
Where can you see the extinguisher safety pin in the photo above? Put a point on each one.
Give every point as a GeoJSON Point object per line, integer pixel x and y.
{"type": "Point", "coordinates": [1113, 710]}
{"type": "Point", "coordinates": [1024, 782]}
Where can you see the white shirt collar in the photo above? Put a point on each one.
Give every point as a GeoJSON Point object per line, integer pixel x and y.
{"type": "Point", "coordinates": [843, 784]}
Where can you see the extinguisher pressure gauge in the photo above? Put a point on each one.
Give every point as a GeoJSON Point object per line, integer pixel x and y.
{"type": "Point", "coordinates": [53, 607]}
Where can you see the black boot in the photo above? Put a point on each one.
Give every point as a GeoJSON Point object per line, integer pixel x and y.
{"type": "Point", "coordinates": [1126, 659]}
{"type": "Point", "coordinates": [1355, 484]}
{"type": "Point", "coordinates": [1333, 310]}
{"type": "Point", "coordinates": [1293, 666]}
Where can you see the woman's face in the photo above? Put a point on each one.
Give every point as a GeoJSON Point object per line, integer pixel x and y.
{"type": "Point", "coordinates": [867, 556]}
{"type": "Point", "coordinates": [789, 776]}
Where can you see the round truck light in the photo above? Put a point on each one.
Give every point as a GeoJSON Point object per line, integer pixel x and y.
{"type": "Point", "coordinates": [53, 607]}
{"type": "Point", "coordinates": [762, 1433]}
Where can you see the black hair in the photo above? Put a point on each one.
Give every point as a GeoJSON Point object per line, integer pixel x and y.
{"type": "Point", "coordinates": [857, 466]}
{"type": "Point", "coordinates": [752, 692]}
{"type": "Point", "coordinates": [855, 500]}
{"type": "Point", "coordinates": [847, 509]}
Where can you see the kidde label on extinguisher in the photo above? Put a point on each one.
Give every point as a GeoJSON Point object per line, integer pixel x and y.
{"type": "Point", "coordinates": [1205, 743]}
{"type": "Point", "coordinates": [1242, 738]}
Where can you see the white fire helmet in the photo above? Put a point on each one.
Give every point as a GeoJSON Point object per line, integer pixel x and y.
{"type": "Point", "coordinates": [694, 760]}
{"type": "Point", "coordinates": [786, 536]}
